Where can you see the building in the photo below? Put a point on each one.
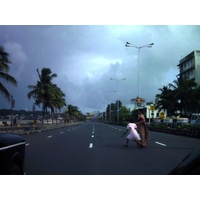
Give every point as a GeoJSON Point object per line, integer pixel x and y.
{"type": "Point", "coordinates": [189, 66]}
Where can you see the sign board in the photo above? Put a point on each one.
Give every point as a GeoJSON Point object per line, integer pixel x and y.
{"type": "Point", "coordinates": [152, 107]}
{"type": "Point", "coordinates": [162, 115]}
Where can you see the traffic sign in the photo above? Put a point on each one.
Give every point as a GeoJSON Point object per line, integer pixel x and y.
{"type": "Point", "coordinates": [152, 107]}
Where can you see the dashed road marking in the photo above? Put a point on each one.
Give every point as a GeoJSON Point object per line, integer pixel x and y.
{"type": "Point", "coordinates": [27, 144]}
{"type": "Point", "coordinates": [93, 128]}
{"type": "Point", "coordinates": [161, 144]}
{"type": "Point", "coordinates": [91, 145]}
{"type": "Point", "coordinates": [92, 135]}
{"type": "Point", "coordinates": [49, 136]}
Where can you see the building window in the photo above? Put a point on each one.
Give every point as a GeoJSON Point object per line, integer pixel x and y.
{"type": "Point", "coordinates": [197, 53]}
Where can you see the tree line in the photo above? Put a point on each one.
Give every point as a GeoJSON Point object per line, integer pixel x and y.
{"type": "Point", "coordinates": [46, 94]}
{"type": "Point", "coordinates": [182, 97]}
{"type": "Point", "coordinates": [117, 112]}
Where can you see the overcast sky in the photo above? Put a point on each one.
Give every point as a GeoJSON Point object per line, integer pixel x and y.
{"type": "Point", "coordinates": [86, 57]}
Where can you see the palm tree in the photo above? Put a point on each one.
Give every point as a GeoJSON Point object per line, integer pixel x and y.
{"type": "Point", "coordinates": [73, 111]}
{"type": "Point", "coordinates": [182, 91]}
{"type": "Point", "coordinates": [4, 70]}
{"type": "Point", "coordinates": [56, 99]}
{"type": "Point", "coordinates": [46, 93]}
{"type": "Point", "coordinates": [194, 100]}
{"type": "Point", "coordinates": [165, 100]}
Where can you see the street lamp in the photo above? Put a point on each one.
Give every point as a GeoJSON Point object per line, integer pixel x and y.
{"type": "Point", "coordinates": [128, 44]}
{"type": "Point", "coordinates": [118, 80]}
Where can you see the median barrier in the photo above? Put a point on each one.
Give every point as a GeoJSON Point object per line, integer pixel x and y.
{"type": "Point", "coordinates": [190, 131]}
{"type": "Point", "coordinates": [185, 130]}
{"type": "Point", "coordinates": [29, 129]}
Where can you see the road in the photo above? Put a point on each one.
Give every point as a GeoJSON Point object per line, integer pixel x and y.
{"type": "Point", "coordinates": [97, 149]}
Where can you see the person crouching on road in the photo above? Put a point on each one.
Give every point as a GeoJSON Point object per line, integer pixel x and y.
{"type": "Point", "coordinates": [132, 134]}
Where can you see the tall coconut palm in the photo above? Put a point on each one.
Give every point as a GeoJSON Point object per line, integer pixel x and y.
{"type": "Point", "coordinates": [56, 99]}
{"type": "Point", "coordinates": [164, 99]}
{"type": "Point", "coordinates": [45, 92]}
{"type": "Point", "coordinates": [4, 70]}
{"type": "Point", "coordinates": [182, 90]}
{"type": "Point", "coordinates": [73, 112]}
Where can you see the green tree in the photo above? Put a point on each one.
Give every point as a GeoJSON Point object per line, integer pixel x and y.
{"type": "Point", "coordinates": [194, 100]}
{"type": "Point", "coordinates": [124, 114]}
{"type": "Point", "coordinates": [182, 89]}
{"type": "Point", "coordinates": [165, 100]}
{"type": "Point", "coordinates": [4, 70]}
{"type": "Point", "coordinates": [73, 113]}
{"type": "Point", "coordinates": [47, 93]}
{"type": "Point", "coordinates": [182, 95]}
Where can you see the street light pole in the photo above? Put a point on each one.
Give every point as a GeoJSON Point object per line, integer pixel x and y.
{"type": "Point", "coordinates": [12, 106]}
{"type": "Point", "coordinates": [118, 80]}
{"type": "Point", "coordinates": [128, 44]}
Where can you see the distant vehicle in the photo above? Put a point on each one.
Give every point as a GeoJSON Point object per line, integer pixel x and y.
{"type": "Point", "coordinates": [172, 122]}
{"type": "Point", "coordinates": [196, 122]}
{"type": "Point", "coordinates": [194, 117]}
{"type": "Point", "coordinates": [182, 121]}
{"type": "Point", "coordinates": [12, 152]}
{"type": "Point", "coordinates": [168, 121]}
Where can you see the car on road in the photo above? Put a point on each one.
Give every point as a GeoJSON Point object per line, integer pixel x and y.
{"type": "Point", "coordinates": [196, 122]}
{"type": "Point", "coordinates": [12, 153]}
{"type": "Point", "coordinates": [194, 117]}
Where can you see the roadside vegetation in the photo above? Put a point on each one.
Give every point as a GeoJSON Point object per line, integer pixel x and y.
{"type": "Point", "coordinates": [4, 74]}
{"type": "Point", "coordinates": [180, 97]}
{"type": "Point", "coordinates": [47, 95]}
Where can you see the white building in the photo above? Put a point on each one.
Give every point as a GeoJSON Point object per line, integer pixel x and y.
{"type": "Point", "coordinates": [189, 66]}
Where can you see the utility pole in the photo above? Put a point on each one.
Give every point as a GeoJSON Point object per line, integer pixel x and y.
{"type": "Point", "coordinates": [12, 105]}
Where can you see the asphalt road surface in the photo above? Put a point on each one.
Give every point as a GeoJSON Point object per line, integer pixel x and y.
{"type": "Point", "coordinates": [97, 149]}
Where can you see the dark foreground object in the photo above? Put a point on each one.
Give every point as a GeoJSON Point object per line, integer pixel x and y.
{"type": "Point", "coordinates": [12, 152]}
{"type": "Point", "coordinates": [190, 165]}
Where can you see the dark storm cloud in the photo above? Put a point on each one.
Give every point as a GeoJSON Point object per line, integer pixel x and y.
{"type": "Point", "coordinates": [86, 57]}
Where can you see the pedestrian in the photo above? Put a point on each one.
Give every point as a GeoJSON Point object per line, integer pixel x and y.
{"type": "Point", "coordinates": [142, 128]}
{"type": "Point", "coordinates": [132, 134]}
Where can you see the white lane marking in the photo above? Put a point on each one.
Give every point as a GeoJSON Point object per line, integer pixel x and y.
{"type": "Point", "coordinates": [27, 144]}
{"type": "Point", "coordinates": [161, 144]}
{"type": "Point", "coordinates": [61, 132]}
{"type": "Point", "coordinates": [91, 145]}
{"type": "Point", "coordinates": [92, 135]}
{"type": "Point", "coordinates": [93, 128]}
{"type": "Point", "coordinates": [49, 136]}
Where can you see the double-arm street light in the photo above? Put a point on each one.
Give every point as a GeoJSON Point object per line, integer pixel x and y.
{"type": "Point", "coordinates": [128, 44]}
{"type": "Point", "coordinates": [118, 80]}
